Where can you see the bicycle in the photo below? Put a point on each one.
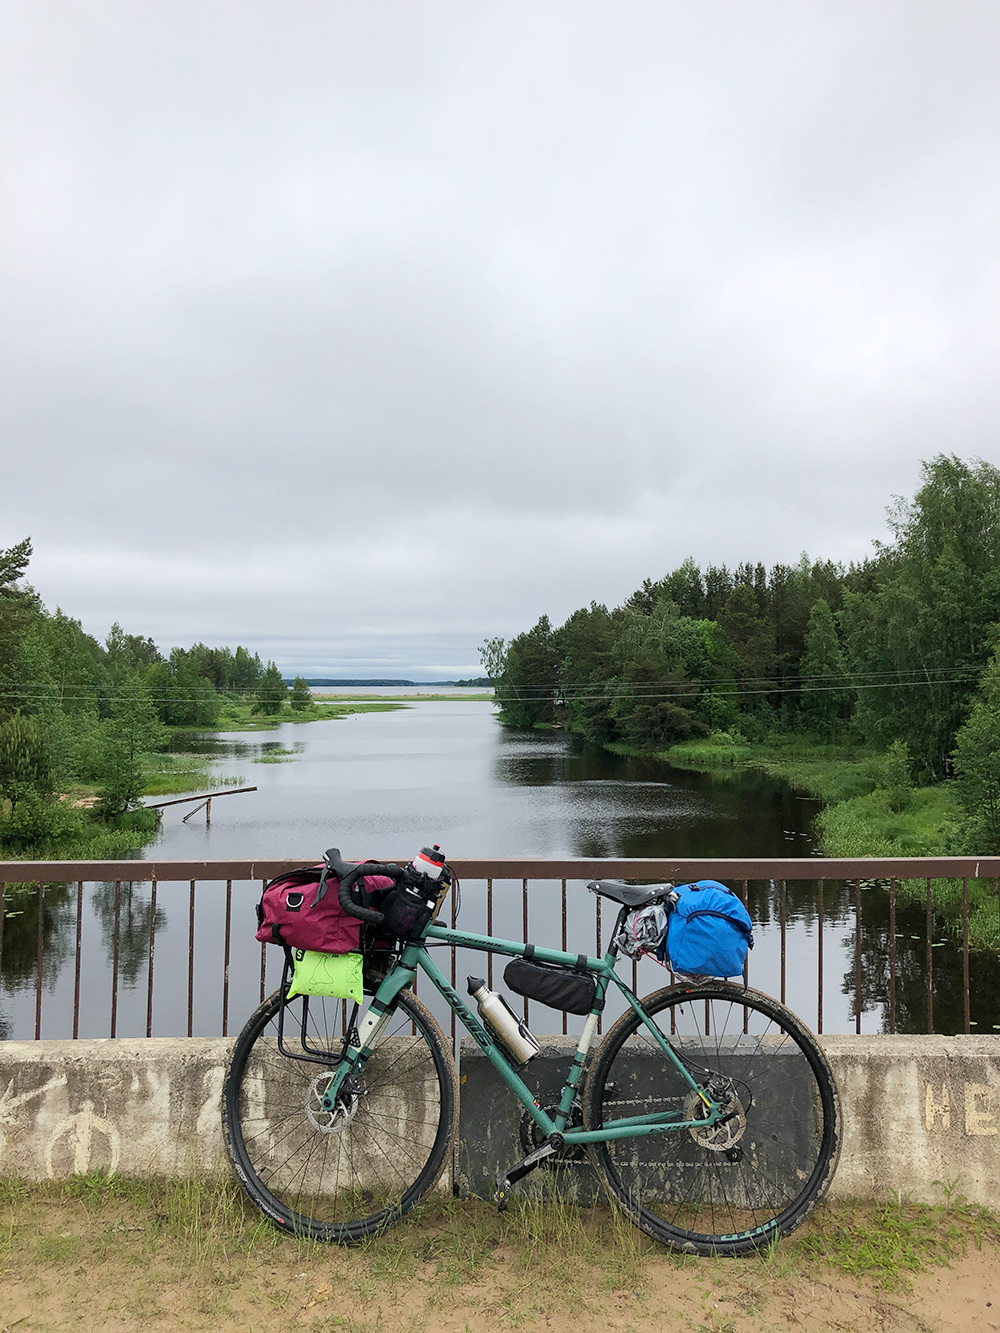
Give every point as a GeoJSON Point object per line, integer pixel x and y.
{"type": "Point", "coordinates": [709, 1111]}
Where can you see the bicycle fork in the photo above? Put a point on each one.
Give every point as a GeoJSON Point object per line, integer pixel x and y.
{"type": "Point", "coordinates": [367, 1034]}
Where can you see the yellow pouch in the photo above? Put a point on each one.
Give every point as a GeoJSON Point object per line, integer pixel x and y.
{"type": "Point", "coordinates": [339, 975]}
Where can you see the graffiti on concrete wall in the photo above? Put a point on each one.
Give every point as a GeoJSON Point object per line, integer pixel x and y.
{"type": "Point", "coordinates": [977, 1111]}
{"type": "Point", "coordinates": [78, 1133]}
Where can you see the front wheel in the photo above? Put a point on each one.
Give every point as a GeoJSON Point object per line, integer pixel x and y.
{"type": "Point", "coordinates": [755, 1174]}
{"type": "Point", "coordinates": [346, 1172]}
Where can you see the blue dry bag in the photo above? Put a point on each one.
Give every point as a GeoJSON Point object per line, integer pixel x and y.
{"type": "Point", "coordinates": [708, 931]}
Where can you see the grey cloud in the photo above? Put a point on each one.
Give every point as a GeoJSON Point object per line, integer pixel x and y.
{"type": "Point", "coordinates": [320, 315]}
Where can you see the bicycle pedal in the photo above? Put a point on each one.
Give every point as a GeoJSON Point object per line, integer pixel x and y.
{"type": "Point", "coordinates": [502, 1195]}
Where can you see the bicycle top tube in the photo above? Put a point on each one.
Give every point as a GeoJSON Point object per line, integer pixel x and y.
{"type": "Point", "coordinates": [517, 949]}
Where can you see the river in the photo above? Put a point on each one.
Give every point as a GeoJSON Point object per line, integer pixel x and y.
{"type": "Point", "coordinates": [385, 784]}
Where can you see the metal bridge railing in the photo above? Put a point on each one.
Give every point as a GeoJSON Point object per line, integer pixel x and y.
{"type": "Point", "coordinates": [814, 916]}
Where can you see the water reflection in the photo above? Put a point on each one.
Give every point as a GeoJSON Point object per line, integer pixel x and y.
{"type": "Point", "coordinates": [126, 909]}
{"type": "Point", "coordinates": [20, 933]}
{"type": "Point", "coordinates": [382, 784]}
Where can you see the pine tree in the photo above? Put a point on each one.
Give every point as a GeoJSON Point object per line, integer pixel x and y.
{"type": "Point", "coordinates": [824, 697]}
{"type": "Point", "coordinates": [525, 675]}
{"type": "Point", "coordinates": [13, 563]}
{"type": "Point", "coordinates": [25, 760]}
{"type": "Point", "coordinates": [301, 697]}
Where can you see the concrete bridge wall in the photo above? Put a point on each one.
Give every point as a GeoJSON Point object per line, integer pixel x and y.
{"type": "Point", "coordinates": [917, 1111]}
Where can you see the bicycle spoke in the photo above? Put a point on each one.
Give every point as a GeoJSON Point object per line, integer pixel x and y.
{"type": "Point", "coordinates": [752, 1174]}
{"type": "Point", "coordinates": [340, 1171]}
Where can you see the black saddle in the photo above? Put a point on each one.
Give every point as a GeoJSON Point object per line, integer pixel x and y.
{"type": "Point", "coordinates": [629, 895]}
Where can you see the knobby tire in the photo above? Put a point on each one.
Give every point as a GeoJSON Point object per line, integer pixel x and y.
{"type": "Point", "coordinates": [742, 1184]}
{"type": "Point", "coordinates": [342, 1175]}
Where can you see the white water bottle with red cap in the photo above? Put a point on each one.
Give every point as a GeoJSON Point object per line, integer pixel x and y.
{"type": "Point", "coordinates": [422, 878]}
{"type": "Point", "coordinates": [429, 861]}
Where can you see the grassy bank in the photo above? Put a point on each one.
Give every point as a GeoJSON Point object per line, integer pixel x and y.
{"type": "Point", "coordinates": [860, 817]}
{"type": "Point", "coordinates": [240, 716]}
{"type": "Point", "coordinates": [75, 835]}
{"type": "Point", "coordinates": [118, 1254]}
{"type": "Point", "coordinates": [829, 772]}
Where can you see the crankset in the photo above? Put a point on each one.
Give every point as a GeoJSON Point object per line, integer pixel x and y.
{"type": "Point", "coordinates": [533, 1137]}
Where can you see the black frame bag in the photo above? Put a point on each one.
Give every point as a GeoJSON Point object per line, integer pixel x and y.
{"type": "Point", "coordinates": [571, 989]}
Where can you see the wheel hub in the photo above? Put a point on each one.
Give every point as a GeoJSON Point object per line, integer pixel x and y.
{"type": "Point", "coordinates": [726, 1132]}
{"type": "Point", "coordinates": [323, 1117]}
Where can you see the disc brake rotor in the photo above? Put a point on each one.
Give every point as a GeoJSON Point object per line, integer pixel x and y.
{"type": "Point", "coordinates": [330, 1121]}
{"type": "Point", "coordinates": [726, 1132]}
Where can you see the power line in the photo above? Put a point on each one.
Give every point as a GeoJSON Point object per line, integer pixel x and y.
{"type": "Point", "coordinates": [769, 684]}
{"type": "Point", "coordinates": [778, 680]}
{"type": "Point", "coordinates": [722, 694]}
{"type": "Point", "coordinates": [606, 695]}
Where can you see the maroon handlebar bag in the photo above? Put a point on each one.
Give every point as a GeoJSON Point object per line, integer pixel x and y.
{"type": "Point", "coordinates": [302, 910]}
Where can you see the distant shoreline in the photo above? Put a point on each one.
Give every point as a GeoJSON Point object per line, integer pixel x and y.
{"type": "Point", "coordinates": [477, 683]}
{"type": "Point", "coordinates": [476, 696]}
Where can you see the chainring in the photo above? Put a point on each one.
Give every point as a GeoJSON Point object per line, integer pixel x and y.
{"type": "Point", "coordinates": [531, 1136]}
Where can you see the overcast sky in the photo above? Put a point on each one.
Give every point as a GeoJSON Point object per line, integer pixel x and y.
{"type": "Point", "coordinates": [358, 332]}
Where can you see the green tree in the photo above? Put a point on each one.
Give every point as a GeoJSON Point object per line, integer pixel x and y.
{"type": "Point", "coordinates": [129, 652]}
{"type": "Point", "coordinates": [77, 664]}
{"type": "Point", "coordinates": [27, 680]}
{"type": "Point", "coordinates": [525, 675]}
{"type": "Point", "coordinates": [28, 764]}
{"type": "Point", "coordinates": [751, 634]}
{"type": "Point", "coordinates": [131, 731]}
{"type": "Point", "coordinates": [924, 614]}
{"type": "Point", "coordinates": [26, 767]}
{"type": "Point", "coordinates": [271, 692]}
{"type": "Point", "coordinates": [683, 587]}
{"type": "Point", "coordinates": [13, 563]}
{"type": "Point", "coordinates": [20, 618]}
{"type": "Point", "coordinates": [896, 779]}
{"type": "Point", "coordinates": [650, 709]}
{"type": "Point", "coordinates": [977, 767]}
{"type": "Point", "coordinates": [824, 697]}
{"type": "Point", "coordinates": [182, 697]}
{"type": "Point", "coordinates": [585, 670]}
{"type": "Point", "coordinates": [301, 697]}
{"type": "Point", "coordinates": [718, 704]}
{"type": "Point", "coordinates": [793, 590]}
{"type": "Point", "coordinates": [718, 587]}
{"type": "Point", "coordinates": [246, 671]}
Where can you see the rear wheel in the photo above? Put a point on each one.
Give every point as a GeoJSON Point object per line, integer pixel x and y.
{"type": "Point", "coordinates": [751, 1177]}
{"type": "Point", "coordinates": [343, 1173]}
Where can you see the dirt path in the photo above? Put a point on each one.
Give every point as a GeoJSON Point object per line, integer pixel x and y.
{"type": "Point", "coordinates": [198, 1259]}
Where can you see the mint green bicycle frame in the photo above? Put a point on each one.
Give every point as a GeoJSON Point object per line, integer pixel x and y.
{"type": "Point", "coordinates": [416, 956]}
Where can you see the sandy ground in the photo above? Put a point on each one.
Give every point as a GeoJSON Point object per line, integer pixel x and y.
{"type": "Point", "coordinates": [72, 1265]}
